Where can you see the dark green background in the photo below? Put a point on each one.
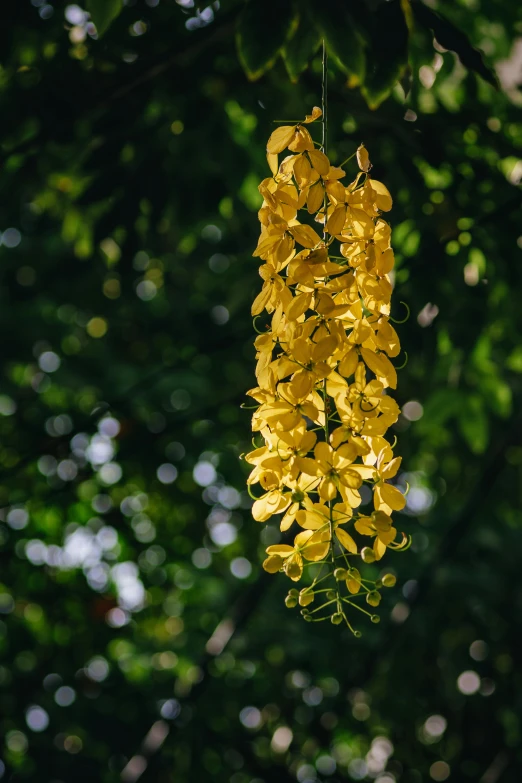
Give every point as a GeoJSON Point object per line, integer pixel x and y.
{"type": "Point", "coordinates": [128, 192]}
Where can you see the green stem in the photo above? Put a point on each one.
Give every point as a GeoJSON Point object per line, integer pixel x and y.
{"type": "Point", "coordinates": [323, 606]}
{"type": "Point", "coordinates": [347, 159]}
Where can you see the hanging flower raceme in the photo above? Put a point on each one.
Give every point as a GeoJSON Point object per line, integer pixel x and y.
{"type": "Point", "coordinates": [324, 374]}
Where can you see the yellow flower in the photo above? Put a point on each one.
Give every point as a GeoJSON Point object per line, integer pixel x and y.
{"type": "Point", "coordinates": [312, 358]}
{"type": "Point", "coordinates": [334, 468]}
{"type": "Point", "coordinates": [287, 411]}
{"type": "Point", "coordinates": [273, 502]}
{"type": "Point", "coordinates": [379, 526]}
{"type": "Point", "coordinates": [274, 290]}
{"type": "Point", "coordinates": [293, 136]}
{"type": "Point", "coordinates": [324, 366]}
{"type": "Point", "coordinates": [317, 516]}
{"type": "Point", "coordinates": [299, 496]}
{"type": "Point", "coordinates": [309, 545]}
{"type": "Point", "coordinates": [387, 497]}
{"type": "Point", "coordinates": [365, 397]}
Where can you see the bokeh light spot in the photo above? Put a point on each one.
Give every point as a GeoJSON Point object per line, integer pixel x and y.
{"type": "Point", "coordinates": [468, 683]}
{"type": "Point", "coordinates": [36, 718]}
{"type": "Point", "coordinates": [97, 327]}
{"type": "Point", "coordinates": [440, 771]}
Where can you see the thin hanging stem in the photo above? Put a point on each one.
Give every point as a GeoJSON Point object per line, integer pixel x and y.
{"type": "Point", "coordinates": [324, 97]}
{"type": "Point", "coordinates": [324, 118]}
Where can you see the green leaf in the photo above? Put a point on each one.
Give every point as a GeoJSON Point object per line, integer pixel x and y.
{"type": "Point", "coordinates": [300, 49]}
{"type": "Point", "coordinates": [343, 35]}
{"type": "Point", "coordinates": [474, 425]}
{"type": "Point", "coordinates": [450, 37]}
{"type": "Point", "coordinates": [441, 406]}
{"type": "Point", "coordinates": [264, 27]}
{"type": "Point", "coordinates": [103, 13]}
{"type": "Point", "coordinates": [389, 48]}
{"type": "Point", "coordinates": [514, 360]}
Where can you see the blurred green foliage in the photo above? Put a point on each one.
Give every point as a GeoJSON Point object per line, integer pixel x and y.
{"type": "Point", "coordinates": [139, 637]}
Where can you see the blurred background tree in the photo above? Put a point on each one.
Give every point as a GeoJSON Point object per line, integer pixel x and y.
{"type": "Point", "coordinates": [140, 639]}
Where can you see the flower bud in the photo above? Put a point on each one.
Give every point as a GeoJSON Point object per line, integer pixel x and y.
{"type": "Point", "coordinates": [368, 555]}
{"type": "Point", "coordinates": [306, 596]}
{"type": "Point", "coordinates": [389, 580]}
{"type": "Point", "coordinates": [290, 601]}
{"type": "Point", "coordinates": [336, 619]}
{"type": "Point", "coordinates": [340, 574]}
{"type": "Point", "coordinates": [373, 598]}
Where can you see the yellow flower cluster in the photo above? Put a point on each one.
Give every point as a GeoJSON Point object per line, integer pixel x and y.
{"type": "Point", "coordinates": [324, 371]}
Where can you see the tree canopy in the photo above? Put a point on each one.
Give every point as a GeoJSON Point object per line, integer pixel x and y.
{"type": "Point", "coordinates": [140, 638]}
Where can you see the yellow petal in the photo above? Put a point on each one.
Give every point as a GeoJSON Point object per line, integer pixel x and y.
{"type": "Point", "coordinates": [305, 235]}
{"type": "Point", "coordinates": [302, 171]}
{"type": "Point", "coordinates": [350, 478]}
{"type": "Point", "coordinates": [317, 551]}
{"type": "Point", "coordinates": [266, 243]}
{"type": "Point", "coordinates": [324, 348]}
{"type": "Point", "coordinates": [294, 567]}
{"type": "Point", "coordinates": [335, 189]}
{"type": "Point", "coordinates": [302, 538]}
{"type": "Point", "coordinates": [379, 548]}
{"type": "Point", "coordinates": [390, 470]}
{"type": "Point", "coordinates": [363, 159]}
{"type": "Point", "coordinates": [272, 162]}
{"type": "Point", "coordinates": [381, 366]}
{"type": "Point", "coordinates": [263, 509]}
{"type": "Point", "coordinates": [350, 496]}
{"type": "Point", "coordinates": [363, 525]}
{"type": "Point", "coordinates": [365, 471]}
{"type": "Point", "coordinates": [283, 550]}
{"type": "Point", "coordinates": [381, 521]}
{"type": "Point", "coordinates": [376, 426]}
{"type": "Point", "coordinates": [390, 496]}
{"type": "Point", "coordinates": [349, 363]}
{"type": "Point", "coordinates": [383, 198]}
{"type": "Point", "coordinates": [315, 197]}
{"type": "Point", "coordinates": [301, 141]}
{"type": "Point", "coordinates": [362, 223]}
{"type": "Point", "coordinates": [298, 306]}
{"type": "Point", "coordinates": [319, 161]}
{"type": "Point", "coordinates": [273, 564]}
{"type": "Point", "coordinates": [316, 113]}
{"type": "Point", "coordinates": [301, 350]}
{"type": "Point", "coordinates": [335, 222]}
{"type": "Point", "coordinates": [310, 520]}
{"type": "Point", "coordinates": [346, 540]}
{"type": "Point", "coordinates": [310, 410]}
{"type": "Point", "coordinates": [338, 436]}
{"type": "Point", "coordinates": [324, 452]}
{"type": "Point", "coordinates": [327, 489]}
{"type": "Point", "coordinates": [280, 139]}
{"type": "Point", "coordinates": [385, 262]}
{"type": "Point", "coordinates": [308, 466]}
{"type": "Point", "coordinates": [301, 384]}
